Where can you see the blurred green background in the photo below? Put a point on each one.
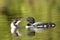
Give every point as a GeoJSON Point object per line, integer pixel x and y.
{"type": "Point", "coordinates": [41, 10]}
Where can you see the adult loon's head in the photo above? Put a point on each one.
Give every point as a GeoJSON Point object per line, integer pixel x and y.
{"type": "Point", "coordinates": [31, 20]}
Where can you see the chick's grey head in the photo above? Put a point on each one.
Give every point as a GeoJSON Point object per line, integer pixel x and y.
{"type": "Point", "coordinates": [31, 20]}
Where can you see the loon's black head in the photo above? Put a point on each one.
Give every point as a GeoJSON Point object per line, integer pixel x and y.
{"type": "Point", "coordinates": [31, 20]}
